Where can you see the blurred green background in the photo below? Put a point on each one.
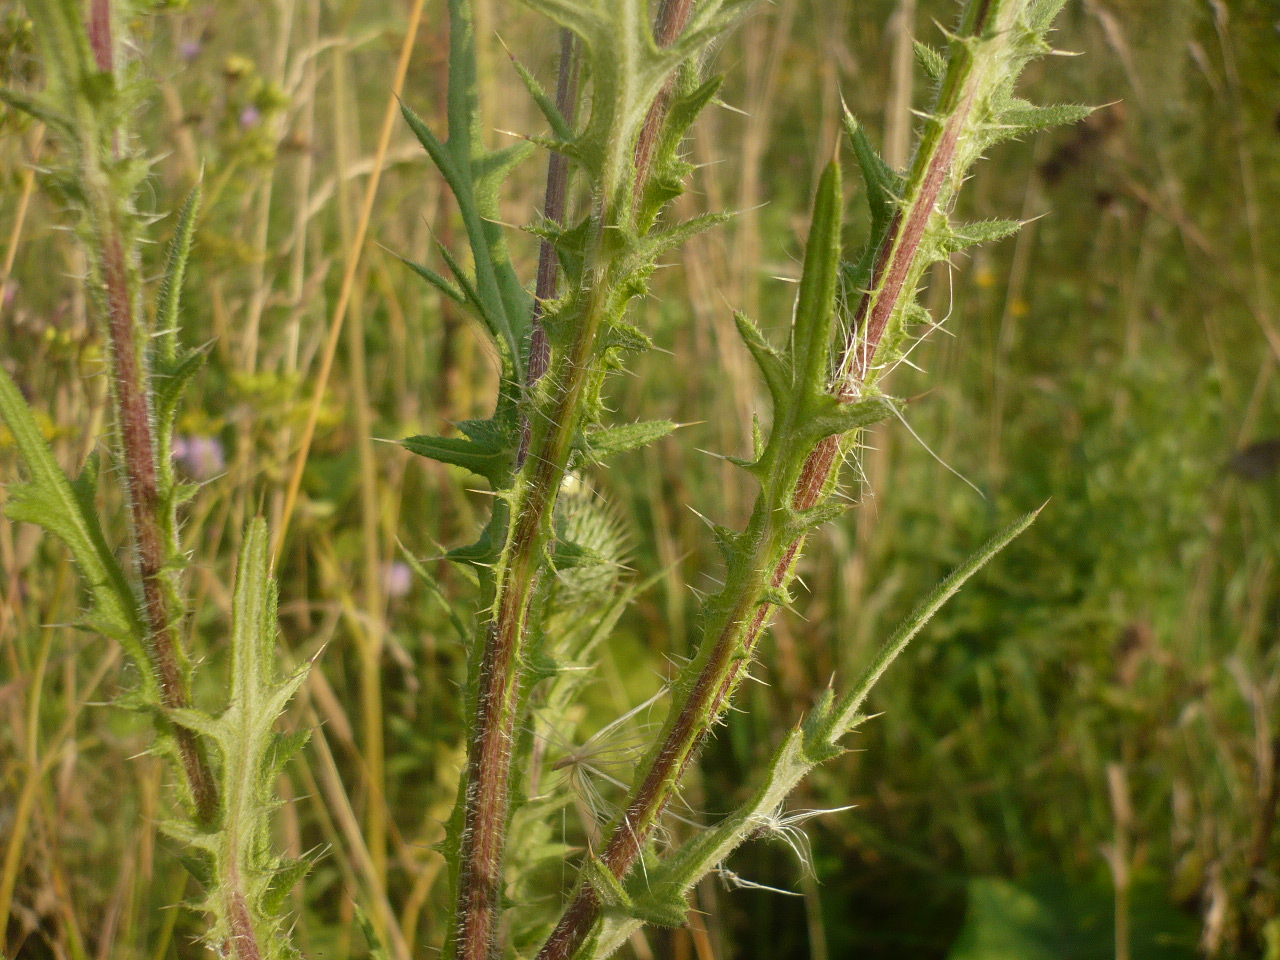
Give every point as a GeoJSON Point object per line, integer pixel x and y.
{"type": "Point", "coordinates": [1079, 758]}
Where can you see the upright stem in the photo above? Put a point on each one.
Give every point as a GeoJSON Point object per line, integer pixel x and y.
{"type": "Point", "coordinates": [133, 414]}
{"type": "Point", "coordinates": [553, 208]}
{"type": "Point", "coordinates": [487, 799]}
{"type": "Point", "coordinates": [734, 643]}
{"type": "Point", "coordinates": [108, 212]}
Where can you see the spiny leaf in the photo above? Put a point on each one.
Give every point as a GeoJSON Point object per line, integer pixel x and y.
{"type": "Point", "coordinates": [931, 61]}
{"type": "Point", "coordinates": [559, 125]}
{"type": "Point", "coordinates": [815, 304]}
{"type": "Point", "coordinates": [40, 108]}
{"type": "Point", "coordinates": [964, 235]}
{"type": "Point", "coordinates": [842, 714]}
{"type": "Point", "coordinates": [607, 441]}
{"type": "Point", "coordinates": [170, 294]}
{"type": "Point", "coordinates": [437, 281]}
{"type": "Point", "coordinates": [250, 881]}
{"type": "Point", "coordinates": [775, 367]}
{"type": "Point", "coordinates": [66, 510]}
{"type": "Point", "coordinates": [1027, 117]}
{"type": "Point", "coordinates": [884, 184]}
{"type": "Point", "coordinates": [489, 459]}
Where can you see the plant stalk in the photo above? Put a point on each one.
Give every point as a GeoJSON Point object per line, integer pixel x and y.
{"type": "Point", "coordinates": [734, 644]}
{"type": "Point", "coordinates": [125, 333]}
{"type": "Point", "coordinates": [133, 414]}
{"type": "Point", "coordinates": [488, 773]}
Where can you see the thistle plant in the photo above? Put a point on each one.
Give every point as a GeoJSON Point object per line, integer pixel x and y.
{"type": "Point", "coordinates": [852, 321]}
{"type": "Point", "coordinates": [549, 568]}
{"type": "Point", "coordinates": [226, 764]}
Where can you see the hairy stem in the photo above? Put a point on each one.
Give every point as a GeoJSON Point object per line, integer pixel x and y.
{"type": "Point", "coordinates": [133, 415]}
{"type": "Point", "coordinates": [733, 643]}
{"type": "Point", "coordinates": [111, 249]}
{"type": "Point", "coordinates": [488, 773]}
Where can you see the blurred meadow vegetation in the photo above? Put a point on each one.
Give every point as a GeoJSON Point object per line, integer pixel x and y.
{"type": "Point", "coordinates": [1079, 758]}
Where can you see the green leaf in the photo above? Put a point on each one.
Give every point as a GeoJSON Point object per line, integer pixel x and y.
{"type": "Point", "coordinates": [437, 281]}
{"type": "Point", "coordinates": [40, 108]}
{"type": "Point", "coordinates": [66, 510]}
{"type": "Point", "coordinates": [487, 450]}
{"type": "Point", "coordinates": [843, 714]}
{"type": "Point", "coordinates": [964, 235]}
{"type": "Point", "coordinates": [250, 881]}
{"type": "Point", "coordinates": [884, 185]}
{"type": "Point", "coordinates": [775, 368]}
{"type": "Point", "coordinates": [1028, 117]}
{"type": "Point", "coordinates": [931, 61]}
{"type": "Point", "coordinates": [559, 125]}
{"type": "Point", "coordinates": [816, 303]}
{"type": "Point", "coordinates": [600, 444]}
{"type": "Point", "coordinates": [170, 294]}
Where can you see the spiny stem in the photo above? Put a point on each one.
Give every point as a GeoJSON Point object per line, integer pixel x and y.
{"type": "Point", "coordinates": [137, 444]}
{"type": "Point", "coordinates": [488, 774]}
{"type": "Point", "coordinates": [734, 644]}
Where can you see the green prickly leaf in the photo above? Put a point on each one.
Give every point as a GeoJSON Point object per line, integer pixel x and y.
{"type": "Point", "coordinates": [569, 556]}
{"type": "Point", "coordinates": [169, 297]}
{"type": "Point", "coordinates": [964, 235]}
{"type": "Point", "coordinates": [625, 337]}
{"type": "Point", "coordinates": [605, 442]}
{"type": "Point", "coordinates": [774, 367]}
{"type": "Point", "coordinates": [656, 244]}
{"type": "Point", "coordinates": [463, 631]}
{"type": "Point", "coordinates": [811, 333]}
{"type": "Point", "coordinates": [728, 542]}
{"type": "Point", "coordinates": [559, 125]}
{"type": "Point", "coordinates": [1040, 14]}
{"type": "Point", "coordinates": [842, 715]}
{"type": "Point", "coordinates": [440, 154]}
{"type": "Point", "coordinates": [491, 462]}
{"type": "Point", "coordinates": [612, 894]}
{"type": "Point", "coordinates": [66, 510]}
{"type": "Point", "coordinates": [248, 876]}
{"type": "Point", "coordinates": [173, 378]}
{"type": "Point", "coordinates": [483, 553]}
{"type": "Point", "coordinates": [490, 314]}
{"type": "Point", "coordinates": [377, 951]}
{"type": "Point", "coordinates": [486, 449]}
{"type": "Point", "coordinates": [931, 61]}
{"type": "Point", "coordinates": [1026, 116]}
{"type": "Point", "coordinates": [662, 907]}
{"type": "Point", "coordinates": [819, 516]}
{"type": "Point", "coordinates": [41, 108]}
{"type": "Point", "coordinates": [668, 169]}
{"type": "Point", "coordinates": [437, 281]}
{"type": "Point", "coordinates": [474, 176]}
{"type": "Point", "coordinates": [776, 596]}
{"type": "Point", "coordinates": [884, 185]}
{"type": "Point", "coordinates": [832, 418]}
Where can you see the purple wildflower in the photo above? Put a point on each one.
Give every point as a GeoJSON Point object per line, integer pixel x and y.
{"type": "Point", "coordinates": [397, 578]}
{"type": "Point", "coordinates": [250, 116]}
{"type": "Point", "coordinates": [201, 457]}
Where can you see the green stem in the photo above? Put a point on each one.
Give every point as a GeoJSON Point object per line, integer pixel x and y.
{"type": "Point", "coordinates": [729, 643]}
{"type": "Point", "coordinates": [553, 428]}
